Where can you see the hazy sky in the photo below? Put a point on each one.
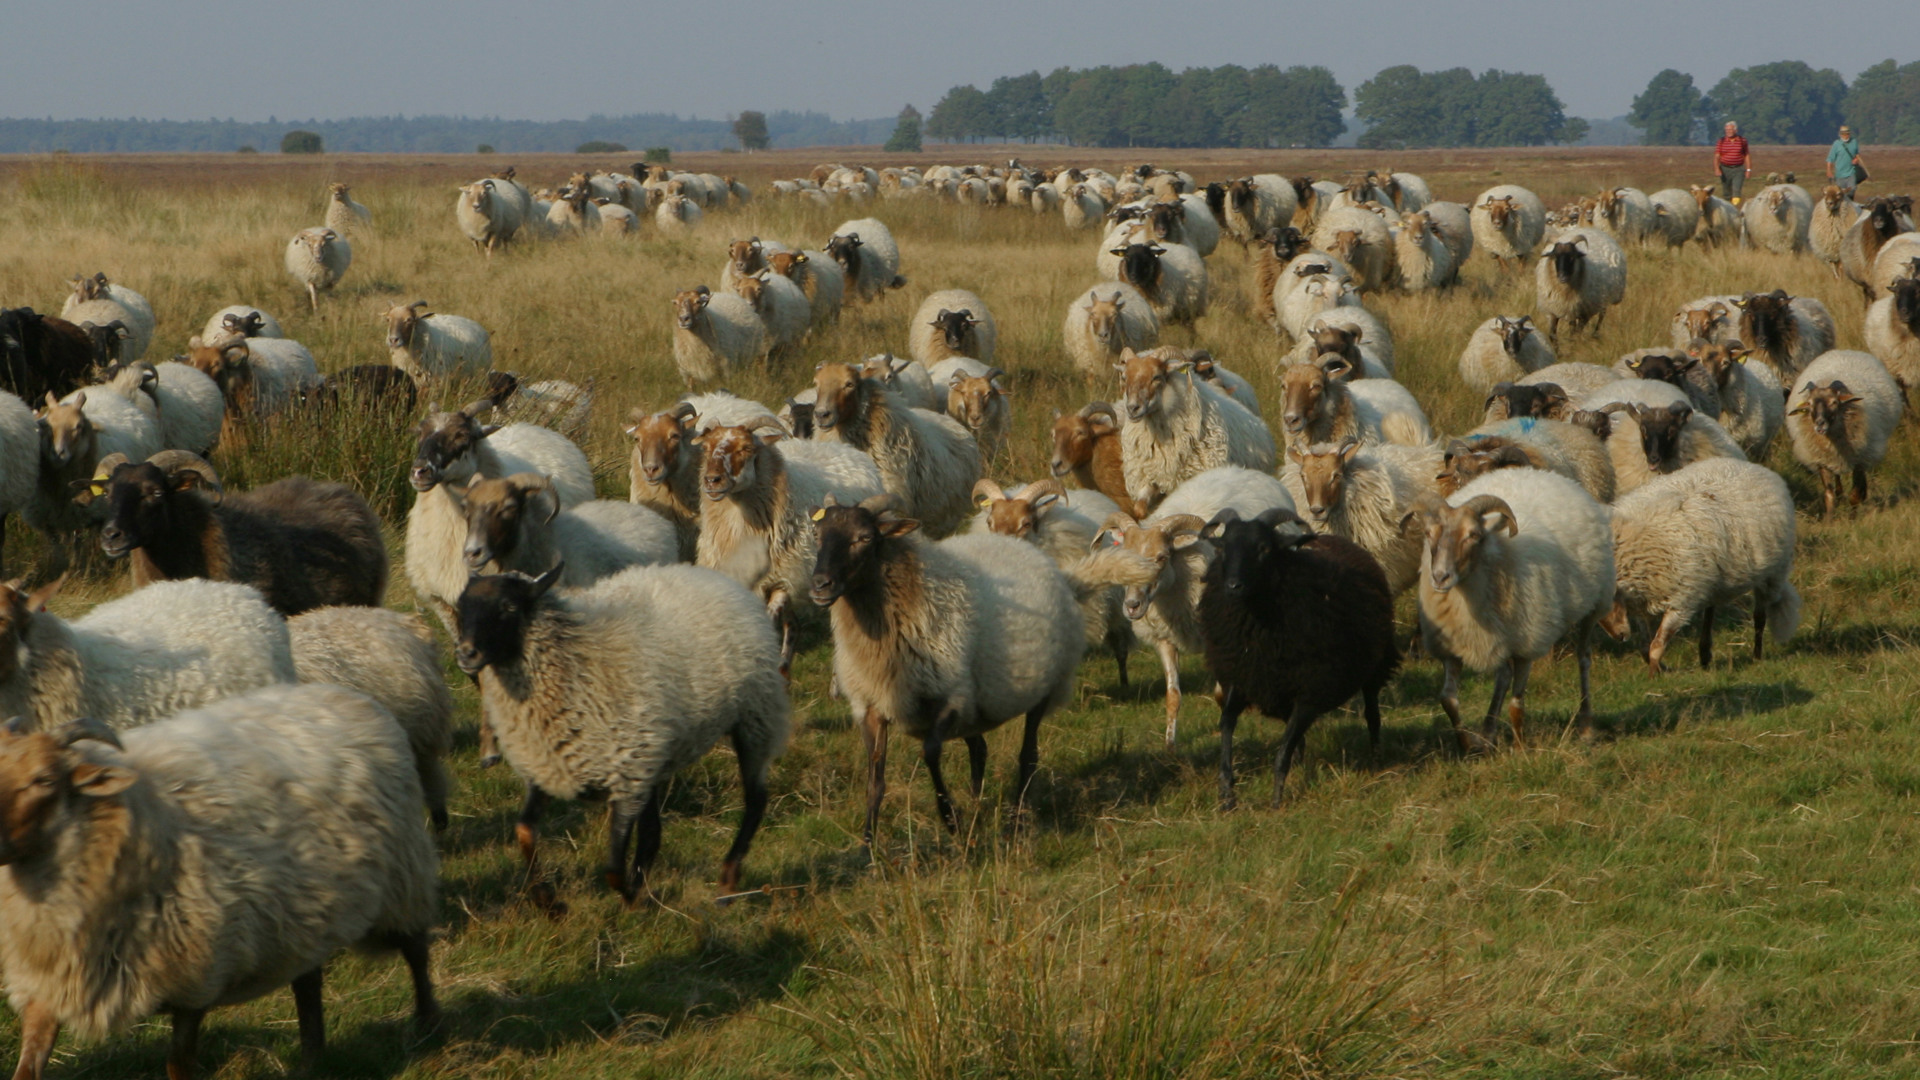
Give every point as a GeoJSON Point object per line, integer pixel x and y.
{"type": "Point", "coordinates": [193, 59]}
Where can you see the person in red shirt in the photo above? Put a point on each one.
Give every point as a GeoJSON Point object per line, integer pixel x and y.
{"type": "Point", "coordinates": [1734, 159]}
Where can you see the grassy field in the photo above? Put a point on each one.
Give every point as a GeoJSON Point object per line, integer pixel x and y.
{"type": "Point", "coordinates": [1719, 885]}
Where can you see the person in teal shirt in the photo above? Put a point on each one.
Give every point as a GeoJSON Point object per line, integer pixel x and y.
{"type": "Point", "coordinates": [1843, 162]}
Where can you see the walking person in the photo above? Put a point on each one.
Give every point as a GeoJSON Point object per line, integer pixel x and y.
{"type": "Point", "coordinates": [1843, 162]}
{"type": "Point", "coordinates": [1734, 158]}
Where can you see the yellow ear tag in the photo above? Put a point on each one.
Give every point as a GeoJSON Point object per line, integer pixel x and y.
{"type": "Point", "coordinates": [99, 491]}
{"type": "Point", "coordinates": [820, 515]}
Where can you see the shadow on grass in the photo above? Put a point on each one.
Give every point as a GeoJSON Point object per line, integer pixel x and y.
{"type": "Point", "coordinates": [1660, 716]}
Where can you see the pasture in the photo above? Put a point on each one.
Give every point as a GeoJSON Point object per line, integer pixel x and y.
{"type": "Point", "coordinates": [1717, 885]}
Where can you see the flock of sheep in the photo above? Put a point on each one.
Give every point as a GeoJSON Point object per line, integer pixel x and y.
{"type": "Point", "coordinates": [216, 782]}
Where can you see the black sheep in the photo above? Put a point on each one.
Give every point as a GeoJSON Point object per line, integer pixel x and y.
{"type": "Point", "coordinates": [1294, 625]}
{"type": "Point", "coordinates": [41, 355]}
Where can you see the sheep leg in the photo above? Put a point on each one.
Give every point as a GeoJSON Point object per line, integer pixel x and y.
{"type": "Point", "coordinates": [313, 296]}
{"type": "Point", "coordinates": [930, 753]}
{"type": "Point", "coordinates": [1759, 625]}
{"type": "Point", "coordinates": [977, 761]}
{"type": "Point", "coordinates": [526, 831]}
{"type": "Point", "coordinates": [1370, 698]}
{"type": "Point", "coordinates": [777, 607]}
{"type": "Point", "coordinates": [311, 1011]}
{"type": "Point", "coordinates": [1301, 717]}
{"type": "Point", "coordinates": [1859, 494]}
{"type": "Point", "coordinates": [1583, 654]}
{"type": "Point", "coordinates": [621, 815]}
{"type": "Point", "coordinates": [753, 785]}
{"type": "Point", "coordinates": [1828, 484]}
{"type": "Point", "coordinates": [1231, 705]}
{"type": "Point", "coordinates": [874, 731]}
{"type": "Point", "coordinates": [1029, 758]}
{"type": "Point", "coordinates": [1670, 624]}
{"type": "Point", "coordinates": [1706, 637]}
{"type": "Point", "coordinates": [1120, 646]}
{"type": "Point", "coordinates": [647, 847]}
{"type": "Point", "coordinates": [38, 1030]}
{"type": "Point", "coordinates": [1599, 321]}
{"type": "Point", "coordinates": [1553, 330]}
{"type": "Point", "coordinates": [1450, 702]}
{"type": "Point", "coordinates": [1502, 680]}
{"type": "Point", "coordinates": [1170, 663]}
{"type": "Point", "coordinates": [1517, 708]}
{"type": "Point", "coordinates": [184, 1052]}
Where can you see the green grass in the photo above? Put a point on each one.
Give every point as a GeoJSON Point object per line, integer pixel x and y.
{"type": "Point", "coordinates": [1719, 885]}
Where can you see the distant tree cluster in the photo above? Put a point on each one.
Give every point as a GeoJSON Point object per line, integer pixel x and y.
{"type": "Point", "coordinates": [1783, 102]}
{"type": "Point", "coordinates": [1404, 107]}
{"type": "Point", "coordinates": [1149, 105]}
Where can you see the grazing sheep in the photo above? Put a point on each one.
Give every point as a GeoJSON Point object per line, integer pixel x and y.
{"type": "Point", "coordinates": [783, 309]}
{"type": "Point", "coordinates": [1362, 242]}
{"type": "Point", "coordinates": [240, 321]}
{"type": "Point", "coordinates": [1362, 493]}
{"type": "Point", "coordinates": [304, 544]}
{"type": "Point", "coordinates": [1785, 331]}
{"type": "Point", "coordinates": [1503, 349]}
{"type": "Point", "coordinates": [1625, 212]}
{"type": "Point", "coordinates": [1865, 236]}
{"type": "Point", "coordinates": [1173, 278]}
{"type": "Point", "coordinates": [1893, 330]}
{"type": "Point", "coordinates": [617, 687]}
{"type": "Point", "coordinates": [1421, 260]}
{"type": "Point", "coordinates": [1833, 215]}
{"type": "Point", "coordinates": [1295, 625]}
{"type": "Point", "coordinates": [262, 835]}
{"type": "Point", "coordinates": [1778, 218]}
{"type": "Point", "coordinates": [344, 215]}
{"type": "Point", "coordinates": [927, 461]}
{"type": "Point", "coordinates": [1322, 404]}
{"type": "Point", "coordinates": [1844, 408]}
{"type": "Point", "coordinates": [1676, 216]}
{"type": "Point", "coordinates": [1581, 274]}
{"type": "Point", "coordinates": [1680, 370]}
{"type": "Point", "coordinates": [1558, 446]}
{"type": "Point", "coordinates": [868, 256]}
{"type": "Point", "coordinates": [949, 640]}
{"type": "Point", "coordinates": [1752, 407]}
{"type": "Point", "coordinates": [1179, 426]}
{"type": "Point", "coordinates": [515, 523]}
{"type": "Point", "coordinates": [1062, 524]}
{"type": "Point", "coordinates": [715, 334]}
{"type": "Point", "coordinates": [1719, 223]}
{"type": "Point", "coordinates": [430, 345]}
{"type": "Point", "coordinates": [1514, 562]}
{"type": "Point", "coordinates": [951, 322]}
{"type": "Point", "coordinates": [1708, 535]}
{"type": "Point", "coordinates": [1108, 319]}
{"type": "Point", "coordinates": [1086, 446]}
{"type": "Point", "coordinates": [1508, 224]}
{"type": "Point", "coordinates": [317, 259]}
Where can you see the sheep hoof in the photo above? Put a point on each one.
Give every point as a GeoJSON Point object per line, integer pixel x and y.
{"type": "Point", "coordinates": [1472, 743]}
{"type": "Point", "coordinates": [489, 761]}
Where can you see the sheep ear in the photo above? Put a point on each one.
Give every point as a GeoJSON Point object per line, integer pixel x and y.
{"type": "Point", "coordinates": [38, 599]}
{"type": "Point", "coordinates": [100, 781]}
{"type": "Point", "coordinates": [897, 526]}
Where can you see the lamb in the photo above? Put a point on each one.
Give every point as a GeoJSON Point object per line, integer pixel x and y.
{"type": "Point", "coordinates": [951, 322]}
{"type": "Point", "coordinates": [715, 334]}
{"type": "Point", "coordinates": [1086, 446]}
{"type": "Point", "coordinates": [515, 523]}
{"type": "Point", "coordinates": [1833, 215]}
{"type": "Point", "coordinates": [1160, 562]}
{"type": "Point", "coordinates": [488, 216]}
{"type": "Point", "coordinates": [139, 658]}
{"type": "Point", "coordinates": [1294, 625]}
{"type": "Point", "coordinates": [783, 309]}
{"type": "Point", "coordinates": [1844, 408]}
{"type": "Point", "coordinates": [317, 259]}
{"type": "Point", "coordinates": [1719, 219]}
{"type": "Point", "coordinates": [949, 640]}
{"type": "Point", "coordinates": [1778, 218]}
{"type": "Point", "coordinates": [240, 321]}
{"type": "Point", "coordinates": [1322, 405]}
{"type": "Point", "coordinates": [101, 302]}
{"type": "Point", "coordinates": [1787, 332]}
{"type": "Point", "coordinates": [19, 461]}
{"type": "Point", "coordinates": [617, 687]}
{"type": "Point", "coordinates": [1647, 440]}
{"type": "Point", "coordinates": [1362, 493]}
{"type": "Point", "coordinates": [1558, 446]}
{"type": "Point", "coordinates": [1503, 349]}
{"type": "Point", "coordinates": [1173, 278]}
{"type": "Point", "coordinates": [1421, 260]}
{"type": "Point", "coordinates": [1580, 276]}
{"type": "Point", "coordinates": [1178, 427]}
{"type": "Point", "coordinates": [1362, 241]}
{"type": "Point", "coordinates": [1899, 259]}
{"type": "Point", "coordinates": [1625, 212]}
{"type": "Point", "coordinates": [865, 250]}
{"type": "Point", "coordinates": [41, 355]}
{"type": "Point", "coordinates": [234, 902]}
{"type": "Point", "coordinates": [1752, 408]}
{"type": "Point", "coordinates": [1705, 536]}
{"type": "Point", "coordinates": [257, 377]}
{"type": "Point", "coordinates": [927, 461]}
{"type": "Point", "coordinates": [1680, 370]}
{"type": "Point", "coordinates": [1865, 236]}
{"type": "Point", "coordinates": [302, 543]}
{"type": "Point", "coordinates": [1108, 319]}
{"type": "Point", "coordinates": [1514, 562]}
{"type": "Point", "coordinates": [1508, 224]}
{"type": "Point", "coordinates": [818, 276]}
{"type": "Point", "coordinates": [1893, 330]}
{"type": "Point", "coordinates": [429, 345]}
{"type": "Point", "coordinates": [344, 215]}
{"type": "Point", "coordinates": [1676, 216]}
{"type": "Point", "coordinates": [1062, 524]}
{"type": "Point", "coordinates": [979, 403]}
{"type": "Point", "coordinates": [754, 524]}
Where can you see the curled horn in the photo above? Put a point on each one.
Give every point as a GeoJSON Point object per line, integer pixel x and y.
{"type": "Point", "coordinates": [1175, 524]}
{"type": "Point", "coordinates": [1227, 516]}
{"type": "Point", "coordinates": [88, 728]}
{"type": "Point", "coordinates": [107, 464]}
{"type": "Point", "coordinates": [684, 412]}
{"type": "Point", "coordinates": [1481, 504]}
{"type": "Point", "coordinates": [417, 305]}
{"type": "Point", "coordinates": [985, 491]}
{"type": "Point", "coordinates": [764, 422]}
{"type": "Point", "coordinates": [1099, 408]}
{"type": "Point", "coordinates": [175, 462]}
{"type": "Point", "coordinates": [540, 483]}
{"type": "Point", "coordinates": [1049, 486]}
{"type": "Point", "coordinates": [1512, 455]}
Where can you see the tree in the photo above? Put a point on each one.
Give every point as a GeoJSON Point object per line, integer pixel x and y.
{"type": "Point", "coordinates": [1782, 102]}
{"type": "Point", "coordinates": [751, 130]}
{"type": "Point", "coordinates": [1884, 104]}
{"type": "Point", "coordinates": [1020, 107]}
{"type": "Point", "coordinates": [484, 148]}
{"type": "Point", "coordinates": [1521, 110]}
{"type": "Point", "coordinates": [1670, 111]}
{"type": "Point", "coordinates": [906, 133]}
{"type": "Point", "coordinates": [961, 114]}
{"type": "Point", "coordinates": [599, 146]}
{"type": "Point", "coordinates": [1406, 107]}
{"type": "Point", "coordinates": [301, 142]}
{"type": "Point", "coordinates": [1399, 108]}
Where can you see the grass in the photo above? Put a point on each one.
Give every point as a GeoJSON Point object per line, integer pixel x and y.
{"type": "Point", "coordinates": [1717, 886]}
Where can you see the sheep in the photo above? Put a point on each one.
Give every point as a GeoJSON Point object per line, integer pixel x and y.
{"type": "Point", "coordinates": [431, 345]}
{"type": "Point", "coordinates": [1680, 370]}
{"type": "Point", "coordinates": [1322, 405]}
{"type": "Point", "coordinates": [1778, 218]}
{"type": "Point", "coordinates": [1699, 538]}
{"type": "Point", "coordinates": [1183, 220]}
{"type": "Point", "coordinates": [1086, 446]}
{"type": "Point", "coordinates": [1752, 408]}
{"type": "Point", "coordinates": [514, 523]}
{"type": "Point", "coordinates": [137, 658]}
{"type": "Point", "coordinates": [575, 212]}
{"type": "Point", "coordinates": [1513, 563]}
{"type": "Point", "coordinates": [745, 259]}
{"type": "Point", "coordinates": [1676, 215]}
{"type": "Point", "coordinates": [304, 544]}
{"type": "Point", "coordinates": [19, 461]}
{"type": "Point", "coordinates": [1625, 212]}
{"type": "Point", "coordinates": [344, 215]}
{"type": "Point", "coordinates": [665, 466]}
{"type": "Point", "coordinates": [1343, 333]}
{"type": "Point", "coordinates": [951, 322]}
{"type": "Point", "coordinates": [818, 276]}
{"type": "Point", "coordinates": [1275, 249]}
{"type": "Point", "coordinates": [1893, 330]}
{"type": "Point", "coordinates": [1108, 319]}
{"type": "Point", "coordinates": [41, 355]}
{"type": "Point", "coordinates": [1710, 318]}
{"type": "Point", "coordinates": [1160, 561]}
{"type": "Point", "coordinates": [1173, 278]}
{"type": "Point", "coordinates": [454, 448]}
{"type": "Point", "coordinates": [101, 302]}
{"type": "Point", "coordinates": [1362, 241]}
{"type": "Point", "coordinates": [754, 524]}
{"type": "Point", "coordinates": [392, 658]}
{"type": "Point", "coordinates": [1646, 440]}
{"type": "Point", "coordinates": [1719, 219]}
{"type": "Point", "coordinates": [1833, 215]}
{"type": "Point", "coordinates": [1580, 275]}
{"type": "Point", "coordinates": [715, 334]}
{"type": "Point", "coordinates": [1787, 332]}
{"type": "Point", "coordinates": [912, 383]}
{"type": "Point", "coordinates": [1082, 208]}
{"type": "Point", "coordinates": [240, 320]}
{"type": "Point", "coordinates": [1062, 524]}
{"type": "Point", "coordinates": [1361, 493]}
{"type": "Point", "coordinates": [1547, 401]}
{"type": "Point", "coordinates": [677, 215]}
{"type": "Point", "coordinates": [1321, 294]}
{"type": "Point", "coordinates": [1453, 224]}
{"type": "Point", "coordinates": [1178, 427]}
{"type": "Point", "coordinates": [979, 403]}
{"type": "Point", "coordinates": [257, 377]}
{"type": "Point", "coordinates": [1865, 236]}
{"type": "Point", "coordinates": [1899, 258]}
{"type": "Point", "coordinates": [1571, 449]}
{"type": "Point", "coordinates": [949, 640]}
{"type": "Point", "coordinates": [927, 461]}
{"type": "Point", "coordinates": [1294, 624]}
{"type": "Point", "coordinates": [76, 433]}
{"type": "Point", "coordinates": [1508, 224]}
{"type": "Point", "coordinates": [555, 403]}
{"type": "Point", "coordinates": [617, 687]}
{"type": "Point", "coordinates": [868, 256]}
{"type": "Point", "coordinates": [234, 899]}
{"type": "Point", "coordinates": [1254, 204]}
{"type": "Point", "coordinates": [317, 259]}
{"type": "Point", "coordinates": [782, 307]}
{"type": "Point", "coordinates": [1421, 260]}
{"type": "Point", "coordinates": [1577, 379]}
{"type": "Point", "coordinates": [108, 329]}
{"type": "Point", "coordinates": [1503, 349]}
{"type": "Point", "coordinates": [1843, 410]}
{"type": "Point", "coordinates": [1217, 375]}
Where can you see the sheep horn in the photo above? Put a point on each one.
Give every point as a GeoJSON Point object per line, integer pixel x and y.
{"type": "Point", "coordinates": [1483, 504]}
{"type": "Point", "coordinates": [684, 412]}
{"type": "Point", "coordinates": [417, 305]}
{"type": "Point", "coordinates": [1099, 408]}
{"type": "Point", "coordinates": [175, 462]}
{"type": "Point", "coordinates": [107, 464]}
{"type": "Point", "coordinates": [1175, 524]}
{"type": "Point", "coordinates": [543, 483]}
{"type": "Point", "coordinates": [88, 728]}
{"type": "Point", "coordinates": [985, 491]}
{"type": "Point", "coordinates": [1049, 486]}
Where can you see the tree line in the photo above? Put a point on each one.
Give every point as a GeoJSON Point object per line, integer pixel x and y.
{"type": "Point", "coordinates": [1783, 102]}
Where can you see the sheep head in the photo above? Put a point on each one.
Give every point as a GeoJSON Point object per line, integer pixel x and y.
{"type": "Point", "coordinates": [403, 320]}
{"type": "Point", "coordinates": [496, 509]}
{"type": "Point", "coordinates": [751, 288]}
{"type": "Point", "coordinates": [67, 435]}
{"type": "Point", "coordinates": [145, 498]}
{"type": "Point", "coordinates": [1458, 535]}
{"type": "Point", "coordinates": [448, 448]}
{"type": "Point", "coordinates": [1285, 241]}
{"type": "Point", "coordinates": [1323, 476]}
{"type": "Point", "coordinates": [787, 263]}
{"type": "Point", "coordinates": [1140, 264]}
{"type": "Point", "coordinates": [839, 393]}
{"type": "Point", "coordinates": [1568, 258]}
{"type": "Point", "coordinates": [1661, 430]}
{"type": "Point", "coordinates": [659, 439]}
{"type": "Point", "coordinates": [1701, 321]}
{"type": "Point", "coordinates": [1166, 220]}
{"type": "Point", "coordinates": [1417, 225]}
{"type": "Point", "coordinates": [956, 328]}
{"type": "Point", "coordinates": [1666, 367]}
{"type": "Point", "coordinates": [48, 786]}
{"type": "Point", "coordinates": [746, 256]}
{"type": "Point", "coordinates": [1518, 400]}
{"type": "Point", "coordinates": [1304, 390]}
{"type": "Point", "coordinates": [1017, 517]}
{"type": "Point", "coordinates": [1718, 358]}
{"type": "Point", "coordinates": [1906, 303]}
{"type": "Point", "coordinates": [970, 398]}
{"type": "Point", "coordinates": [1513, 333]}
{"type": "Point", "coordinates": [688, 305]}
{"type": "Point", "coordinates": [18, 606]}
{"type": "Point", "coordinates": [1157, 548]}
{"type": "Point", "coordinates": [845, 250]}
{"type": "Point", "coordinates": [1827, 408]}
{"type": "Point", "coordinates": [1499, 211]}
{"type": "Point", "coordinates": [253, 324]}
{"type": "Point", "coordinates": [492, 615]}
{"type": "Point", "coordinates": [854, 542]}
{"type": "Point", "coordinates": [1342, 341]}
{"type": "Point", "coordinates": [1143, 379]}
{"type": "Point", "coordinates": [1833, 198]}
{"type": "Point", "coordinates": [1075, 435]}
{"type": "Point", "coordinates": [1246, 550]}
{"type": "Point", "coordinates": [730, 460]}
{"type": "Point", "coordinates": [1106, 321]}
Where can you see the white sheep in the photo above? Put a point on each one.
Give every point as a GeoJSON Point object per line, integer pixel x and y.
{"type": "Point", "coordinates": [257, 376]}
{"type": "Point", "coordinates": [1108, 319]}
{"type": "Point", "coordinates": [1452, 222]}
{"type": "Point", "coordinates": [927, 460]}
{"type": "Point", "coordinates": [316, 260]}
{"type": "Point", "coordinates": [1676, 215]}
{"type": "Point", "coordinates": [1784, 332]}
{"type": "Point", "coordinates": [1173, 278]}
{"type": "Point", "coordinates": [1063, 524]}
{"type": "Point", "coordinates": [262, 835]}
{"type": "Point", "coordinates": [912, 383]}
{"type": "Point", "coordinates": [240, 321]}
{"type": "Point", "coordinates": [344, 215]}
{"type": "Point", "coordinates": [1362, 241]}
{"type": "Point", "coordinates": [515, 523]}
{"type": "Point", "coordinates": [574, 212]}
{"type": "Point", "coordinates": [19, 462]}
{"type": "Point", "coordinates": [1681, 370]}
{"type": "Point", "coordinates": [1711, 534]}
{"type": "Point", "coordinates": [715, 334]}
{"type": "Point", "coordinates": [1580, 276]}
{"type": "Point", "coordinates": [1778, 218]}
{"type": "Point", "coordinates": [1082, 208]}
{"type": "Point", "coordinates": [1315, 296]}
{"type": "Point", "coordinates": [1178, 426]}
{"type": "Point", "coordinates": [977, 400]}
{"type": "Point", "coordinates": [1322, 403]}
{"type": "Point", "coordinates": [1575, 378]}
{"type": "Point", "coordinates": [818, 276]}
{"type": "Point", "coordinates": [187, 403]}
{"type": "Point", "coordinates": [677, 215]}
{"type": "Point", "coordinates": [1710, 318]}
{"type": "Point", "coordinates": [1625, 212]}
{"type": "Point", "coordinates": [951, 322]}
{"type": "Point", "coordinates": [1899, 258]}
{"type": "Point", "coordinates": [1752, 405]}
{"type": "Point", "coordinates": [77, 432]}
{"type": "Point", "coordinates": [100, 302]}
{"type": "Point", "coordinates": [489, 215]}
{"type": "Point", "coordinates": [1719, 219]}
{"type": "Point", "coordinates": [1833, 214]}
{"type": "Point", "coordinates": [1421, 259]}
{"type": "Point", "coordinates": [1843, 410]}
{"type": "Point", "coordinates": [1569, 449]}
{"type": "Point", "coordinates": [1508, 223]}
{"type": "Point", "coordinates": [1252, 205]}
{"type": "Point", "coordinates": [783, 309]}
{"type": "Point", "coordinates": [615, 688]}
{"type": "Point", "coordinates": [1364, 493]}
{"type": "Point", "coordinates": [1513, 563]}
{"type": "Point", "coordinates": [1893, 330]}
{"type": "Point", "coordinates": [1503, 349]}
{"type": "Point", "coordinates": [431, 345]}
{"type": "Point", "coordinates": [1654, 429]}
{"type": "Point", "coordinates": [866, 252]}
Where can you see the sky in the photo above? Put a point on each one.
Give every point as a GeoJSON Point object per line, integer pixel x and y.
{"type": "Point", "coordinates": [852, 59]}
